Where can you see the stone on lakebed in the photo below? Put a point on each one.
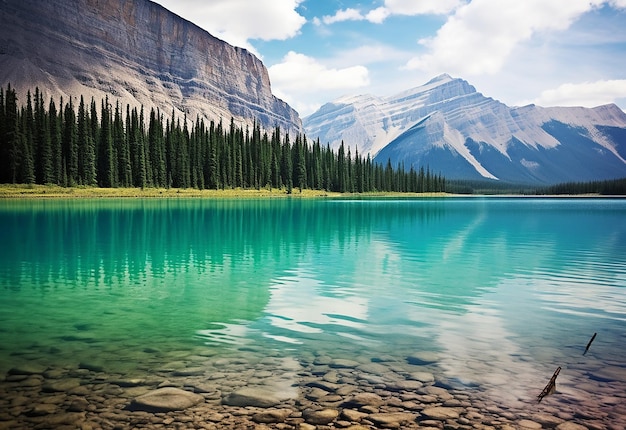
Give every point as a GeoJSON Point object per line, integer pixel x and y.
{"type": "Point", "coordinates": [441, 413]}
{"type": "Point", "coordinates": [320, 417]}
{"type": "Point", "coordinates": [27, 369]}
{"type": "Point", "coordinates": [269, 416]}
{"type": "Point", "coordinates": [392, 419]}
{"type": "Point", "coordinates": [166, 399]}
{"type": "Point", "coordinates": [260, 396]}
{"type": "Point", "coordinates": [422, 358]}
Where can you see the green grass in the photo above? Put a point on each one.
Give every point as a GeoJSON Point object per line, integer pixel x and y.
{"type": "Point", "coordinates": [52, 191]}
{"type": "Point", "coordinates": [55, 191]}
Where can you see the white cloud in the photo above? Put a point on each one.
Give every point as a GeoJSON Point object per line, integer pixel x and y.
{"type": "Point", "coordinates": [586, 94]}
{"type": "Point", "coordinates": [423, 7]}
{"type": "Point", "coordinates": [481, 35]}
{"type": "Point", "coordinates": [299, 79]}
{"type": "Point", "coordinates": [305, 74]}
{"type": "Point", "coordinates": [238, 21]}
{"type": "Point", "coordinates": [343, 15]}
{"type": "Point", "coordinates": [378, 15]}
{"type": "Point", "coordinates": [393, 7]}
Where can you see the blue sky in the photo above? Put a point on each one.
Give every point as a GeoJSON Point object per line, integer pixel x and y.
{"type": "Point", "coordinates": [548, 52]}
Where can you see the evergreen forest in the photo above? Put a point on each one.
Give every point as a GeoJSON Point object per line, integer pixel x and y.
{"type": "Point", "coordinates": [115, 146]}
{"type": "Point", "coordinates": [609, 187]}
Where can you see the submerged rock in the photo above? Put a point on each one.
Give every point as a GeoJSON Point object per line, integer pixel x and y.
{"type": "Point", "coordinates": [441, 413]}
{"type": "Point", "coordinates": [424, 377]}
{"type": "Point", "coordinates": [392, 419]}
{"type": "Point", "coordinates": [92, 367]}
{"type": "Point", "coordinates": [166, 399]}
{"type": "Point", "coordinates": [353, 415]}
{"type": "Point", "coordinates": [404, 385]}
{"type": "Point", "coordinates": [441, 393]}
{"type": "Point", "coordinates": [27, 369]}
{"type": "Point", "coordinates": [422, 358]}
{"type": "Point", "coordinates": [78, 405]}
{"type": "Point", "coordinates": [127, 382]}
{"type": "Point", "coordinates": [61, 385]}
{"type": "Point", "coordinates": [365, 399]}
{"type": "Point", "coordinates": [262, 397]}
{"type": "Point", "coordinates": [529, 425]}
{"type": "Point", "coordinates": [41, 410]}
{"type": "Point", "coordinates": [341, 363]}
{"type": "Point", "coordinates": [375, 368]}
{"type": "Point", "coordinates": [570, 426]}
{"type": "Point", "coordinates": [272, 416]}
{"type": "Point", "coordinates": [323, 417]}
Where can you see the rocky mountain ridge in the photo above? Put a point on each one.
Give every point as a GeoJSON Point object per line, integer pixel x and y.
{"type": "Point", "coordinates": [136, 52]}
{"type": "Point", "coordinates": [450, 127]}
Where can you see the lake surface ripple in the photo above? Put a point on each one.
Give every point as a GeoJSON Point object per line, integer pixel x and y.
{"type": "Point", "coordinates": [495, 292]}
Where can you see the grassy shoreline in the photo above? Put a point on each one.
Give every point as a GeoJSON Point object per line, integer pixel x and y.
{"type": "Point", "coordinates": [12, 191]}
{"type": "Point", "coordinates": [23, 191]}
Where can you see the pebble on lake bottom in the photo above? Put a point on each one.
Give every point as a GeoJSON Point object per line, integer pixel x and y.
{"type": "Point", "coordinates": [318, 392]}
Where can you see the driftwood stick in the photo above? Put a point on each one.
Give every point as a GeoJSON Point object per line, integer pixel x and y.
{"type": "Point", "coordinates": [589, 344]}
{"type": "Point", "coordinates": [551, 387]}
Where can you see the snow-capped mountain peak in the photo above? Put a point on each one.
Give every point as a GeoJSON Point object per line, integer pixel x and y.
{"type": "Point", "coordinates": [451, 127]}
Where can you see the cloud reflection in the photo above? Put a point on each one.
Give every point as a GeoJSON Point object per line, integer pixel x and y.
{"type": "Point", "coordinates": [298, 304]}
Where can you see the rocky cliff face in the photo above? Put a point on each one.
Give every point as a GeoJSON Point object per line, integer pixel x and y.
{"type": "Point", "coordinates": [137, 52]}
{"type": "Point", "coordinates": [450, 127]}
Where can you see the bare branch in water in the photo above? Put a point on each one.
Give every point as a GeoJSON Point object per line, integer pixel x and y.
{"type": "Point", "coordinates": [589, 344]}
{"type": "Point", "coordinates": [551, 387]}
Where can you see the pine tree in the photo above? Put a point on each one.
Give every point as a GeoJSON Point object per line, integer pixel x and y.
{"type": "Point", "coordinates": [224, 157]}
{"type": "Point", "coordinates": [41, 144]}
{"type": "Point", "coordinates": [342, 169]}
{"type": "Point", "coordinates": [157, 145]}
{"type": "Point", "coordinates": [276, 154]}
{"type": "Point", "coordinates": [185, 152]}
{"type": "Point", "coordinates": [349, 172]}
{"type": "Point", "coordinates": [366, 169]}
{"type": "Point", "coordinates": [358, 173]}
{"type": "Point", "coordinates": [178, 139]}
{"type": "Point", "coordinates": [26, 169]}
{"type": "Point", "coordinates": [70, 145]}
{"type": "Point", "coordinates": [86, 147]}
{"type": "Point", "coordinates": [4, 157]}
{"type": "Point", "coordinates": [287, 165]}
{"type": "Point", "coordinates": [299, 163]}
{"type": "Point", "coordinates": [121, 144]}
{"type": "Point", "coordinates": [54, 124]}
{"type": "Point", "coordinates": [136, 147]}
{"type": "Point", "coordinates": [316, 166]}
{"type": "Point", "coordinates": [106, 174]}
{"type": "Point", "coordinates": [237, 142]}
{"type": "Point", "coordinates": [9, 139]}
{"type": "Point", "coordinates": [330, 169]}
{"type": "Point", "coordinates": [212, 170]}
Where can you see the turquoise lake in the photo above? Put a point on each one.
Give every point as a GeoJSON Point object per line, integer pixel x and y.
{"type": "Point", "coordinates": [500, 290]}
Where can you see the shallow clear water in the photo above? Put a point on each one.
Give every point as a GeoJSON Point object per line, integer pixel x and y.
{"type": "Point", "coordinates": [501, 290]}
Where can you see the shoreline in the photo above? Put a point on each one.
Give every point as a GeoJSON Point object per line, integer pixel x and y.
{"type": "Point", "coordinates": [20, 191]}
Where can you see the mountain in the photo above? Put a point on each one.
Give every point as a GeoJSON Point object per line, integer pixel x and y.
{"type": "Point", "coordinates": [136, 52]}
{"type": "Point", "coordinates": [453, 129]}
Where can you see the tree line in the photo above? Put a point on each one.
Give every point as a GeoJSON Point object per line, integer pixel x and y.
{"type": "Point", "coordinates": [607, 187]}
{"type": "Point", "coordinates": [113, 146]}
